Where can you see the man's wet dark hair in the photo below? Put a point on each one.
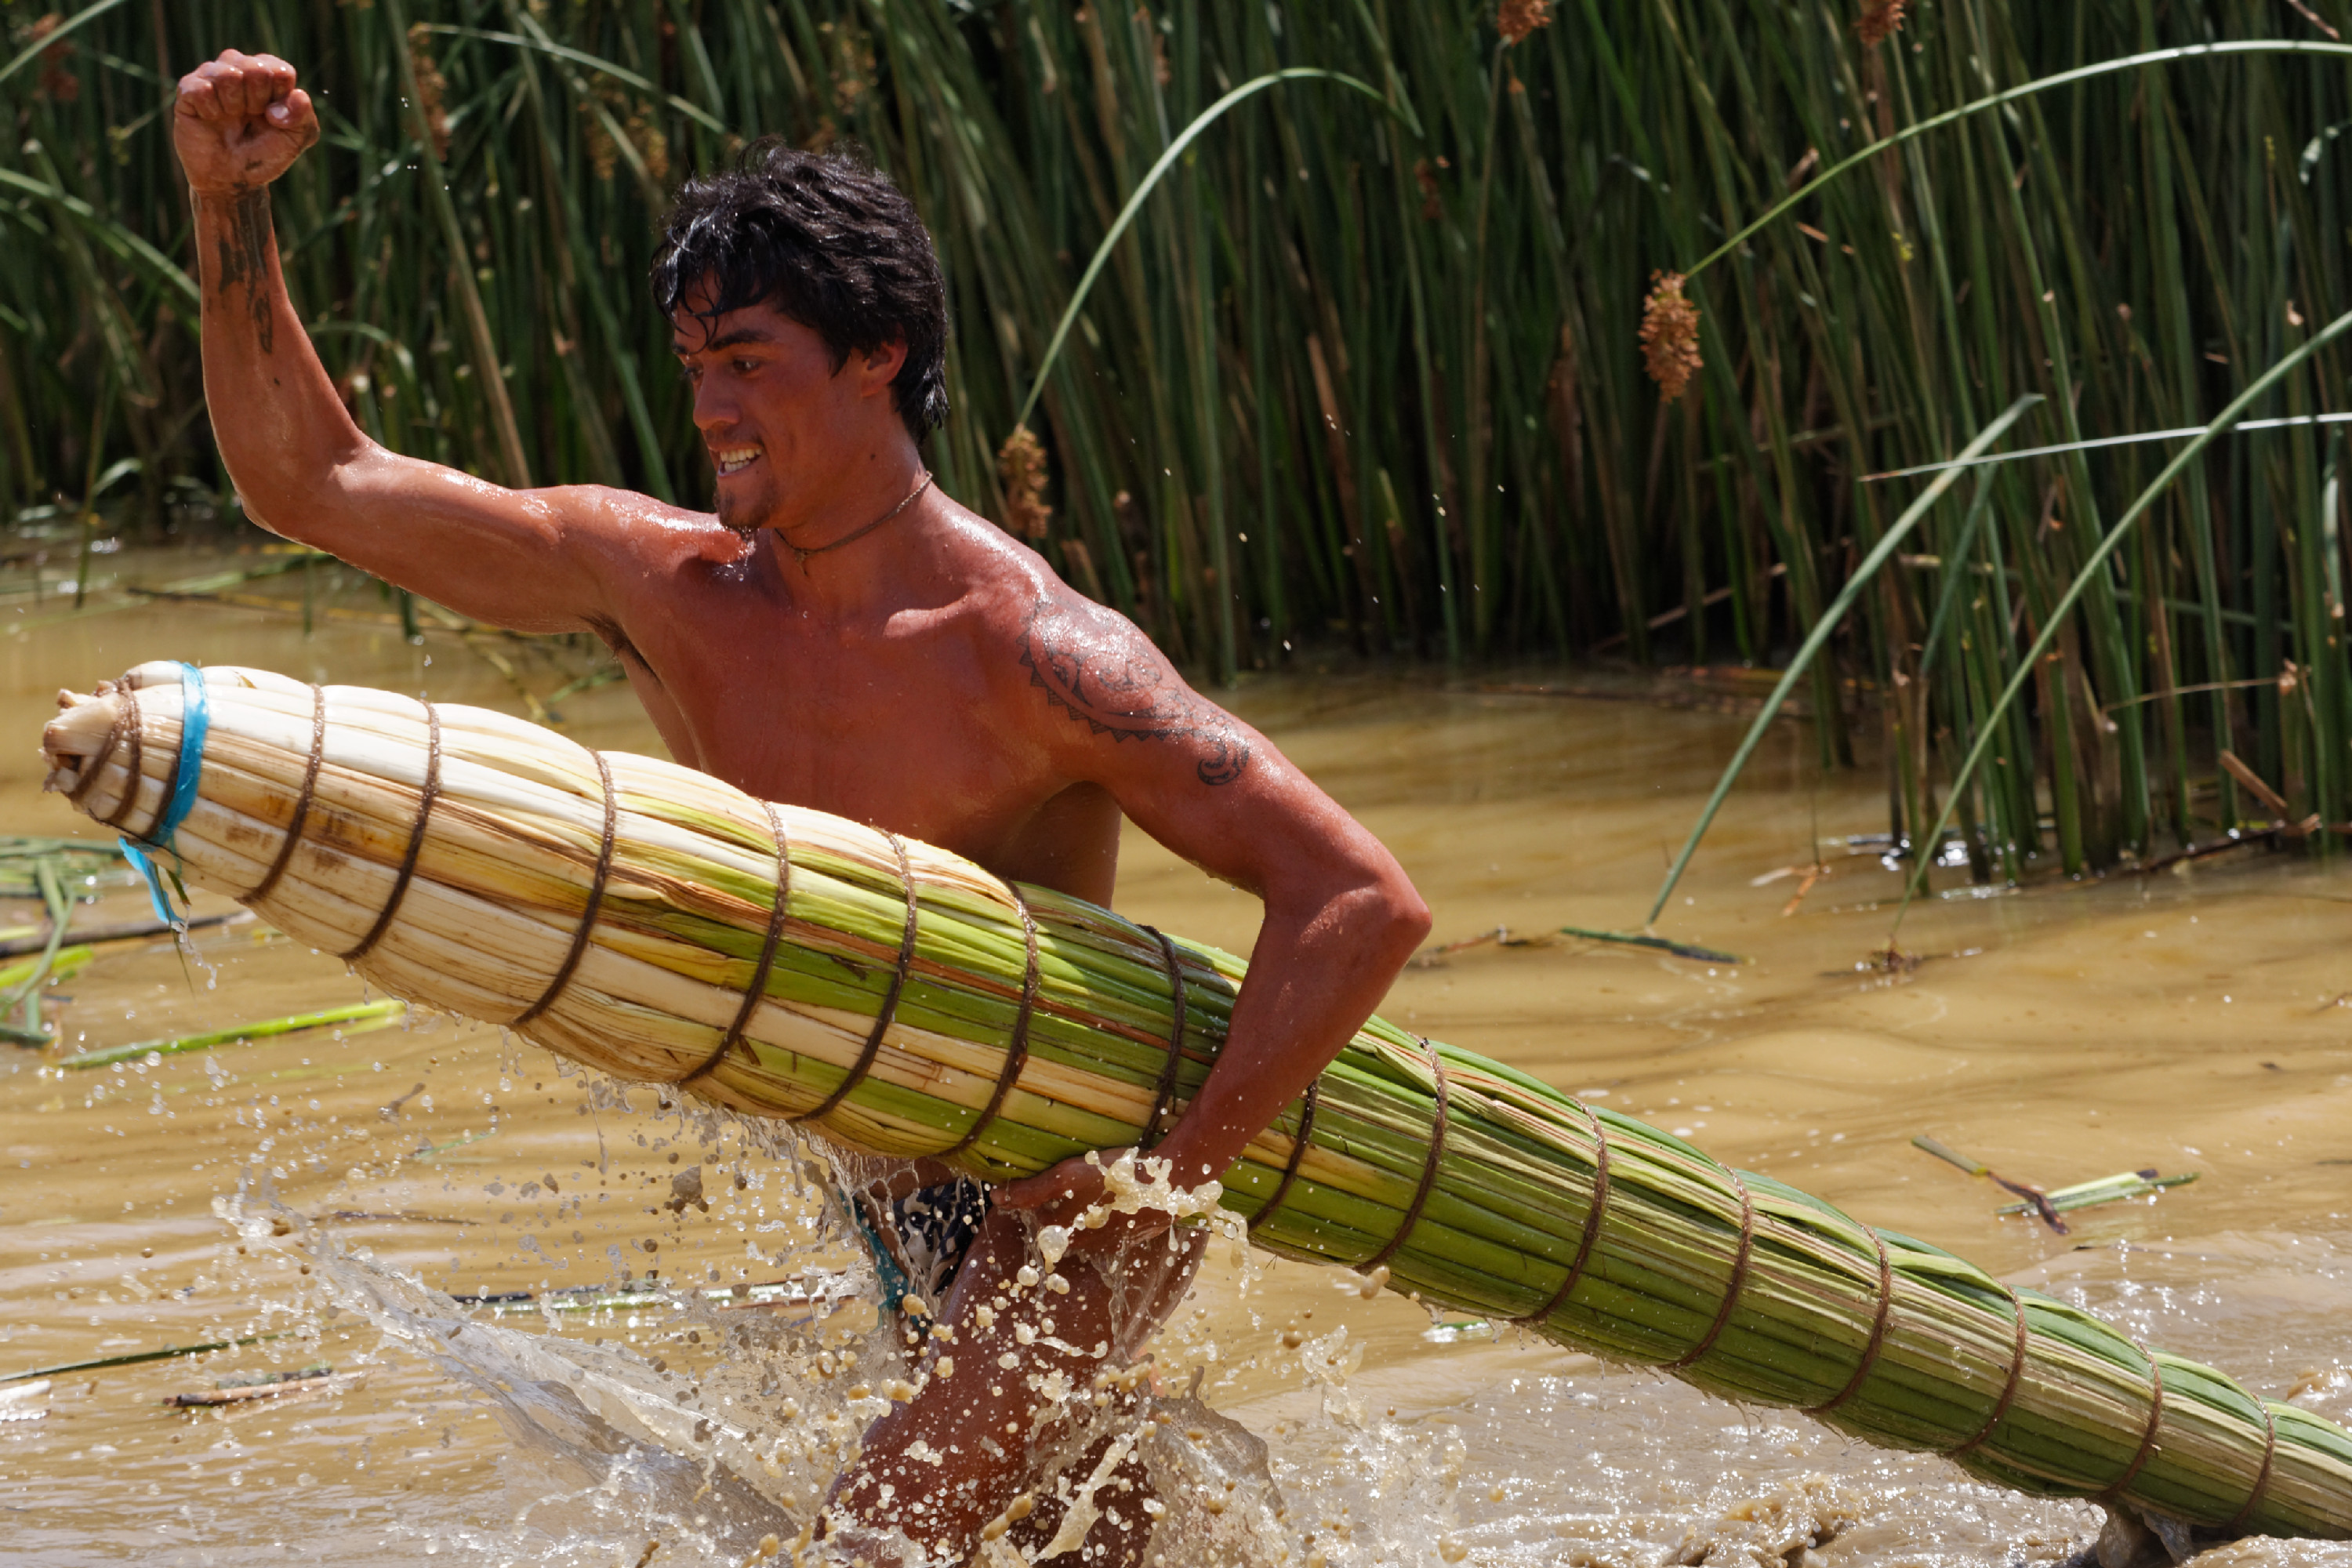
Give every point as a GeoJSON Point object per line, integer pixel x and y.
{"type": "Point", "coordinates": [828, 239]}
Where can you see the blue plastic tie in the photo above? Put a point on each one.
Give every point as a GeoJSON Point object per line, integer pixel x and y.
{"type": "Point", "coordinates": [195, 723]}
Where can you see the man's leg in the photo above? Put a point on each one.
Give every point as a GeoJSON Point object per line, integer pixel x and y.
{"type": "Point", "coordinates": [1017, 1367]}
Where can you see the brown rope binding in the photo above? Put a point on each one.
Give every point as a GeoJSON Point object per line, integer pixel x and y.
{"type": "Point", "coordinates": [587, 926]}
{"type": "Point", "coordinates": [2148, 1438]}
{"type": "Point", "coordinates": [1591, 1223]}
{"type": "Point", "coordinates": [1016, 1046]}
{"type": "Point", "coordinates": [1165, 1097]}
{"type": "Point", "coordinates": [301, 802]}
{"type": "Point", "coordinates": [1878, 1333]}
{"type": "Point", "coordinates": [757, 989]}
{"type": "Point", "coordinates": [865, 1064]}
{"type": "Point", "coordinates": [2262, 1476]}
{"type": "Point", "coordinates": [424, 799]}
{"type": "Point", "coordinates": [1739, 1276]}
{"type": "Point", "coordinates": [1428, 1171]}
{"type": "Point", "coordinates": [95, 764]}
{"type": "Point", "coordinates": [2008, 1390]}
{"type": "Point", "coordinates": [130, 800]}
{"type": "Point", "coordinates": [1297, 1157]}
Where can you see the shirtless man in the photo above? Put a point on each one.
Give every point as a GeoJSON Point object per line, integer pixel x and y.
{"type": "Point", "coordinates": [841, 635]}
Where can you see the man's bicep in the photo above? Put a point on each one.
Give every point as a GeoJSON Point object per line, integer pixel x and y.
{"type": "Point", "coordinates": [1267, 829]}
{"type": "Point", "coordinates": [1096, 670]}
{"type": "Point", "coordinates": [1197, 779]}
{"type": "Point", "coordinates": [527, 560]}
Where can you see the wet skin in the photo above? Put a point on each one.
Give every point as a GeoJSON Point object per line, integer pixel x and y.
{"type": "Point", "coordinates": [933, 677]}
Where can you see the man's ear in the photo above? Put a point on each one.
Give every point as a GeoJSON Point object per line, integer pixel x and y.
{"type": "Point", "coordinates": [877, 368]}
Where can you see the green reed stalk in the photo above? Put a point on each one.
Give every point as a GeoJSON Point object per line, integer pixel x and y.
{"type": "Point", "coordinates": [1886, 546]}
{"type": "Point", "coordinates": [1141, 194]}
{"type": "Point", "coordinates": [370, 1014]}
{"type": "Point", "coordinates": [486, 358]}
{"type": "Point", "coordinates": [2003, 99]}
{"type": "Point", "coordinates": [2139, 507]}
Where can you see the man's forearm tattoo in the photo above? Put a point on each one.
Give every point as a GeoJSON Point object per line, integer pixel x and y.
{"type": "Point", "coordinates": [245, 258]}
{"type": "Point", "coordinates": [1107, 676]}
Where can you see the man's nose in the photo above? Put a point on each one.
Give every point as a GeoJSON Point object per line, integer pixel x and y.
{"type": "Point", "coordinates": [714, 407]}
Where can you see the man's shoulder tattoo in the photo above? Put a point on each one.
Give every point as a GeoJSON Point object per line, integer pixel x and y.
{"type": "Point", "coordinates": [1110, 679]}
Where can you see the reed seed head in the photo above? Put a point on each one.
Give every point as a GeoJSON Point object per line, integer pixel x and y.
{"type": "Point", "coordinates": [1880, 20]}
{"type": "Point", "coordinates": [1020, 469]}
{"type": "Point", "coordinates": [1670, 335]}
{"type": "Point", "coordinates": [1515, 19]}
{"type": "Point", "coordinates": [604, 153]}
{"type": "Point", "coordinates": [56, 84]}
{"type": "Point", "coordinates": [1161, 71]}
{"type": "Point", "coordinates": [653, 147]}
{"type": "Point", "coordinates": [432, 88]}
{"type": "Point", "coordinates": [854, 66]}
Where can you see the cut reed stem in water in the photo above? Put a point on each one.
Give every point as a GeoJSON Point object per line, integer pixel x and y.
{"type": "Point", "coordinates": [359, 1018]}
{"type": "Point", "coordinates": [659, 925]}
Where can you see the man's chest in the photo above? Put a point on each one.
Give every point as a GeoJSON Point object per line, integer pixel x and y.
{"type": "Point", "coordinates": [906, 728]}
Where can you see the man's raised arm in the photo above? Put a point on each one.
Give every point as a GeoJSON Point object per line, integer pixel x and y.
{"type": "Point", "coordinates": [528, 559]}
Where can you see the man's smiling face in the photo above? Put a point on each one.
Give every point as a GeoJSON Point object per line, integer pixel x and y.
{"type": "Point", "coordinates": [777, 415]}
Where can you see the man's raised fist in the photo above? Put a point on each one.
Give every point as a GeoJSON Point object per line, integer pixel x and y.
{"type": "Point", "coordinates": [240, 123]}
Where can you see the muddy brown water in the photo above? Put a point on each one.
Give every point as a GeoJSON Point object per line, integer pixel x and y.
{"type": "Point", "coordinates": [332, 1190]}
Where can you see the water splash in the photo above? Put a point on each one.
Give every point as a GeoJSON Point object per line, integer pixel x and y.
{"type": "Point", "coordinates": [728, 1454]}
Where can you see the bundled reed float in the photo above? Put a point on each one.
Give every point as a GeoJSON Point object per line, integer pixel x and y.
{"type": "Point", "coordinates": [661, 926]}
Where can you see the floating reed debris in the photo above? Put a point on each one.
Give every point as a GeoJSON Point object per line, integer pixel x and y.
{"type": "Point", "coordinates": [135, 1358]}
{"type": "Point", "coordinates": [1503, 936]}
{"type": "Point", "coordinates": [357, 1018]}
{"type": "Point", "coordinates": [212, 584]}
{"type": "Point", "coordinates": [242, 1388]}
{"type": "Point", "coordinates": [73, 860]}
{"type": "Point", "coordinates": [2049, 1205]}
{"type": "Point", "coordinates": [63, 964]}
{"type": "Point", "coordinates": [15, 939]}
{"type": "Point", "coordinates": [1649, 940]}
{"type": "Point", "coordinates": [22, 998]}
{"type": "Point", "coordinates": [2122, 1187]}
{"type": "Point", "coordinates": [660, 925]}
{"type": "Point", "coordinates": [2035, 1200]}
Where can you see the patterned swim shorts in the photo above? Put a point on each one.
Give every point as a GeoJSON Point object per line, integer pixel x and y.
{"type": "Point", "coordinates": [931, 1231]}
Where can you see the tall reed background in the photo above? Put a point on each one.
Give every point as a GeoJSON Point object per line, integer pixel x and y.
{"type": "Point", "coordinates": [1366, 373]}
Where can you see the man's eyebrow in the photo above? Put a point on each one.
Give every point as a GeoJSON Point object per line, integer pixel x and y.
{"type": "Point", "coordinates": [723, 341]}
